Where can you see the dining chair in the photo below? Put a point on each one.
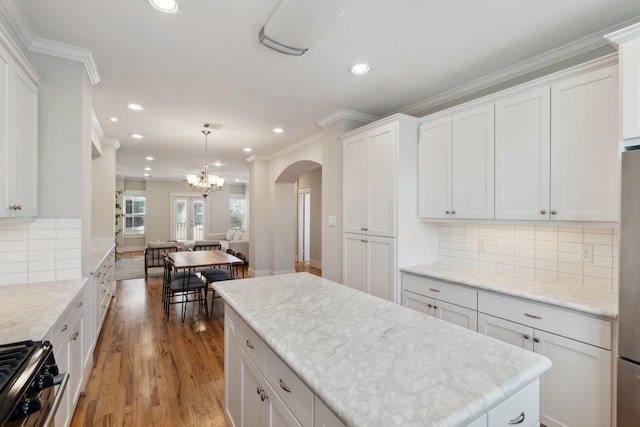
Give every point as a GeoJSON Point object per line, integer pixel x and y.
{"type": "Point", "coordinates": [182, 287]}
{"type": "Point", "coordinates": [207, 245]}
{"type": "Point", "coordinates": [215, 275]}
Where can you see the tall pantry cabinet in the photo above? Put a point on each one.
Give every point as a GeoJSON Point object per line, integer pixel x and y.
{"type": "Point", "coordinates": [380, 205]}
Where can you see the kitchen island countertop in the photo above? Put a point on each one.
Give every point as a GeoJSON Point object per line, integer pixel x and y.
{"type": "Point", "coordinates": [598, 302]}
{"type": "Point", "coordinates": [373, 362]}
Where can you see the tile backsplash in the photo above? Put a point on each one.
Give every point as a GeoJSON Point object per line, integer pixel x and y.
{"type": "Point", "coordinates": [585, 256]}
{"type": "Point", "coordinates": [43, 250]}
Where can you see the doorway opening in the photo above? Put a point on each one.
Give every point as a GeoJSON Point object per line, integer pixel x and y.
{"type": "Point", "coordinates": [304, 225]}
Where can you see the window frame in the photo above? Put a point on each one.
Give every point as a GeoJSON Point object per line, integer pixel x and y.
{"type": "Point", "coordinates": [133, 194]}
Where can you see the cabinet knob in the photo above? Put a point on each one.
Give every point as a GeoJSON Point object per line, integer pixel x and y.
{"type": "Point", "coordinates": [435, 307]}
{"type": "Point", "coordinates": [543, 212]}
{"type": "Point", "coordinates": [554, 212]}
{"type": "Point", "coordinates": [15, 207]}
{"type": "Point", "coordinates": [536, 340]}
{"type": "Point", "coordinates": [447, 212]}
{"type": "Point", "coordinates": [526, 337]}
{"type": "Point", "coordinates": [453, 212]}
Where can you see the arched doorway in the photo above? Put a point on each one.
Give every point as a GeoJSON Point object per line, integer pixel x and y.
{"type": "Point", "coordinates": [285, 224]}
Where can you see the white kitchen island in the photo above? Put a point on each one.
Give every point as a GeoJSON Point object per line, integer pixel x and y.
{"type": "Point", "coordinates": [363, 359]}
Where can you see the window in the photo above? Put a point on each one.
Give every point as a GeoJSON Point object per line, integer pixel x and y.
{"type": "Point", "coordinates": [135, 207]}
{"type": "Point", "coordinates": [237, 210]}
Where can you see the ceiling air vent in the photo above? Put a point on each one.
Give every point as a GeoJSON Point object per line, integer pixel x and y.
{"type": "Point", "coordinates": [211, 126]}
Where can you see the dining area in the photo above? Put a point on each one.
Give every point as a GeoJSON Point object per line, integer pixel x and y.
{"type": "Point", "coordinates": [189, 275]}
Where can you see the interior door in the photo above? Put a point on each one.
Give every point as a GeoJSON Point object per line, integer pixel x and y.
{"type": "Point", "coordinates": [188, 218]}
{"type": "Point", "coordinates": [304, 225]}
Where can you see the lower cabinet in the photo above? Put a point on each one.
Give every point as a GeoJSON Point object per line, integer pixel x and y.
{"type": "Point", "coordinates": [67, 339]}
{"type": "Point", "coordinates": [260, 390]}
{"type": "Point", "coordinates": [576, 391]}
{"type": "Point", "coordinates": [451, 313]}
{"type": "Point", "coordinates": [369, 264]}
{"type": "Point", "coordinates": [103, 289]}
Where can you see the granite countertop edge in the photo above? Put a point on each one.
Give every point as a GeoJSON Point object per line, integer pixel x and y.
{"type": "Point", "coordinates": [505, 284]}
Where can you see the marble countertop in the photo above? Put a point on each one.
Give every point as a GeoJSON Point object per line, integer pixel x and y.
{"type": "Point", "coordinates": [373, 362]}
{"type": "Point", "coordinates": [99, 253]}
{"type": "Point", "coordinates": [579, 298]}
{"type": "Point", "coordinates": [28, 311]}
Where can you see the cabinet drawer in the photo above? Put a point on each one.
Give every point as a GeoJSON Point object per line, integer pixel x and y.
{"type": "Point", "coordinates": [62, 327]}
{"type": "Point", "coordinates": [521, 409]}
{"type": "Point", "coordinates": [252, 344]}
{"type": "Point", "coordinates": [455, 294]}
{"type": "Point", "coordinates": [569, 324]}
{"type": "Point", "coordinates": [293, 392]}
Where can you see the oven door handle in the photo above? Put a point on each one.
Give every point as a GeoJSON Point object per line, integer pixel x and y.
{"type": "Point", "coordinates": [54, 408]}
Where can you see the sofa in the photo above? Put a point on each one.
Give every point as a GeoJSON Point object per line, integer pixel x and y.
{"type": "Point", "coordinates": [233, 239]}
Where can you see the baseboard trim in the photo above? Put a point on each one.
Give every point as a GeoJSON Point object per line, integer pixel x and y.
{"type": "Point", "coordinates": [315, 264]}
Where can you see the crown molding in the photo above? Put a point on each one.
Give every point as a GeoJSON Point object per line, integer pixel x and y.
{"type": "Point", "coordinates": [67, 51]}
{"type": "Point", "coordinates": [551, 57]}
{"type": "Point", "coordinates": [623, 35]}
{"type": "Point", "coordinates": [344, 114]}
{"type": "Point", "coordinates": [17, 20]}
{"type": "Point", "coordinates": [294, 147]}
{"type": "Point", "coordinates": [16, 53]}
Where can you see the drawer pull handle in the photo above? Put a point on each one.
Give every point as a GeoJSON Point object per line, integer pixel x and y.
{"type": "Point", "coordinates": [249, 344]}
{"type": "Point", "coordinates": [264, 396]}
{"type": "Point", "coordinates": [64, 328]}
{"type": "Point", "coordinates": [434, 290]}
{"type": "Point", "coordinates": [260, 390]}
{"type": "Point", "coordinates": [518, 420]}
{"type": "Point", "coordinates": [526, 337]}
{"type": "Point", "coordinates": [284, 386]}
{"type": "Point", "coordinates": [532, 316]}
{"type": "Point", "coordinates": [536, 340]}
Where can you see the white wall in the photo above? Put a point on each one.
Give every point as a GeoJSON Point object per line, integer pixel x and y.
{"type": "Point", "coordinates": [103, 172]}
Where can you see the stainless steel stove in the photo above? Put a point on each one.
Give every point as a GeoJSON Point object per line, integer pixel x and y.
{"type": "Point", "coordinates": [30, 385]}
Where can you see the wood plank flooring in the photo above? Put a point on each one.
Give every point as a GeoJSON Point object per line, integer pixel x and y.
{"type": "Point", "coordinates": [152, 372]}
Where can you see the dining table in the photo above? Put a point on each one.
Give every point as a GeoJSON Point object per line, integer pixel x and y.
{"type": "Point", "coordinates": [197, 259]}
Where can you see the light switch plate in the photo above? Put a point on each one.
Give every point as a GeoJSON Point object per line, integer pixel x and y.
{"type": "Point", "coordinates": [332, 221]}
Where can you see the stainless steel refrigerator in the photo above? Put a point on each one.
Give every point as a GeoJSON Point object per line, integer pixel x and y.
{"type": "Point", "coordinates": [628, 414]}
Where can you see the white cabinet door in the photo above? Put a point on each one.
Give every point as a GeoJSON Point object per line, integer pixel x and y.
{"type": "Point", "coordinates": [253, 413]}
{"type": "Point", "coordinates": [76, 360]}
{"type": "Point", "coordinates": [418, 302]}
{"type": "Point", "coordinates": [629, 54]}
{"type": "Point", "coordinates": [380, 210]}
{"type": "Point", "coordinates": [455, 314]}
{"type": "Point", "coordinates": [232, 372]}
{"type": "Point", "coordinates": [381, 268]}
{"type": "Point", "coordinates": [584, 147]}
{"type": "Point", "coordinates": [473, 163]}
{"type": "Point", "coordinates": [278, 415]}
{"type": "Point", "coordinates": [504, 330]}
{"type": "Point", "coordinates": [5, 73]}
{"type": "Point", "coordinates": [63, 414]}
{"type": "Point", "coordinates": [355, 260]}
{"type": "Point", "coordinates": [323, 417]}
{"type": "Point", "coordinates": [523, 144]}
{"type": "Point", "coordinates": [576, 391]}
{"type": "Point", "coordinates": [355, 183]}
{"type": "Point", "coordinates": [23, 144]}
{"type": "Point", "coordinates": [434, 170]}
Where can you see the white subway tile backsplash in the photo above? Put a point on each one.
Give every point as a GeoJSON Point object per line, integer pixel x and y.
{"type": "Point", "coordinates": [544, 251]}
{"type": "Point", "coordinates": [45, 249]}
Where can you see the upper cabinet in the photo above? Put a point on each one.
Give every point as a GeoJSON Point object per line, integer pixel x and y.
{"type": "Point", "coordinates": [456, 155]}
{"type": "Point", "coordinates": [18, 140]}
{"type": "Point", "coordinates": [584, 147]}
{"type": "Point", "coordinates": [370, 181]}
{"type": "Point", "coordinates": [556, 153]}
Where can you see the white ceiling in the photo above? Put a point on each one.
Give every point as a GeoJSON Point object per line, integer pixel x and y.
{"type": "Point", "coordinates": [205, 65]}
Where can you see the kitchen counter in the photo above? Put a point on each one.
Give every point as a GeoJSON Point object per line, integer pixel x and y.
{"type": "Point", "coordinates": [373, 362]}
{"type": "Point", "coordinates": [579, 298]}
{"type": "Point", "coordinates": [28, 311]}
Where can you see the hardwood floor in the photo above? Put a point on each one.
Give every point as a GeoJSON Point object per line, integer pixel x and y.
{"type": "Point", "coordinates": [152, 372]}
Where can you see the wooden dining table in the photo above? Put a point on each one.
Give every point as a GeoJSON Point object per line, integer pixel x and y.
{"type": "Point", "coordinates": [196, 259]}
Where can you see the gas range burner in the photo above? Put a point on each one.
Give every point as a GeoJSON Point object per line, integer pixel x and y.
{"type": "Point", "coordinates": [12, 357]}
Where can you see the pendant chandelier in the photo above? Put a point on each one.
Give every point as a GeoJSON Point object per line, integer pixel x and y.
{"type": "Point", "coordinates": [205, 183]}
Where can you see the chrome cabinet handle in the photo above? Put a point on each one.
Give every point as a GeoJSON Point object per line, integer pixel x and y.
{"type": "Point", "coordinates": [543, 212]}
{"type": "Point", "coordinates": [249, 344]}
{"type": "Point", "coordinates": [15, 207]}
{"type": "Point", "coordinates": [434, 290]}
{"type": "Point", "coordinates": [532, 316]}
{"type": "Point", "coordinates": [284, 386]}
{"type": "Point", "coordinates": [517, 420]}
{"type": "Point", "coordinates": [75, 336]}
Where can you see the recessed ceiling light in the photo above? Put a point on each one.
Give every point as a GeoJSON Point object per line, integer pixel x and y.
{"type": "Point", "coordinates": [113, 119]}
{"type": "Point", "coordinates": [149, 158]}
{"type": "Point", "coordinates": [278, 130]}
{"type": "Point", "coordinates": [147, 169]}
{"type": "Point", "coordinates": [217, 164]}
{"type": "Point", "coordinates": [167, 6]}
{"type": "Point", "coordinates": [135, 107]}
{"type": "Point", "coordinates": [147, 175]}
{"type": "Point", "coordinates": [247, 149]}
{"type": "Point", "coordinates": [360, 68]}
{"type": "Point", "coordinates": [137, 136]}
{"type": "Point", "coordinates": [237, 179]}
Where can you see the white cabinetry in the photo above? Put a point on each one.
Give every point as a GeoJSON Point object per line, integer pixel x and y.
{"type": "Point", "coordinates": [103, 281]}
{"type": "Point", "coordinates": [67, 338]}
{"type": "Point", "coordinates": [260, 390]}
{"type": "Point", "coordinates": [456, 157]}
{"type": "Point", "coordinates": [454, 304]}
{"type": "Point", "coordinates": [523, 144]}
{"type": "Point", "coordinates": [578, 346]}
{"type": "Point", "coordinates": [584, 147]}
{"type": "Point", "coordinates": [18, 140]}
{"type": "Point", "coordinates": [379, 204]}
